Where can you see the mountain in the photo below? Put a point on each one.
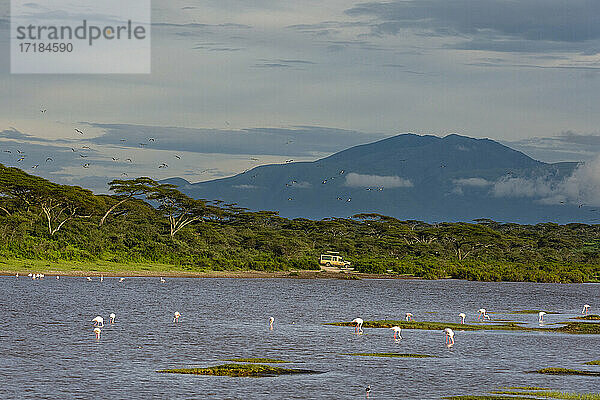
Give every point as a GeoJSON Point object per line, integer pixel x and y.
{"type": "Point", "coordinates": [454, 178]}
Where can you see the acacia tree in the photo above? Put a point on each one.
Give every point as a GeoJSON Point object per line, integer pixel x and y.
{"type": "Point", "coordinates": [128, 189]}
{"type": "Point", "coordinates": [179, 209]}
{"type": "Point", "coordinates": [18, 189]}
{"type": "Point", "coordinates": [61, 204]}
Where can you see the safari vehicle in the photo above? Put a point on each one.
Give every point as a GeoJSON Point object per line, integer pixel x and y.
{"type": "Point", "coordinates": [333, 259]}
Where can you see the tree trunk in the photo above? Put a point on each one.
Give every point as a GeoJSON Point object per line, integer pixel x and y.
{"type": "Point", "coordinates": [111, 210]}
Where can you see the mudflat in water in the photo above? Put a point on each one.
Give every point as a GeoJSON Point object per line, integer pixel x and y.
{"type": "Point", "coordinates": [48, 349]}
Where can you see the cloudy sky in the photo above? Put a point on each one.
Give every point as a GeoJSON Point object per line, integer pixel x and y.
{"type": "Point", "coordinates": [236, 84]}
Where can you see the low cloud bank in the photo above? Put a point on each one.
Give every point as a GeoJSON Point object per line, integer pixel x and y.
{"type": "Point", "coordinates": [360, 180]}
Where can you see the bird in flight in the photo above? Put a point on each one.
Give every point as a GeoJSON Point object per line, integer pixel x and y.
{"type": "Point", "coordinates": [142, 144]}
{"type": "Point", "coordinates": [73, 150]}
{"type": "Point", "coordinates": [163, 165]}
{"type": "Point", "coordinates": [35, 166]}
{"type": "Point", "coordinates": [151, 139]}
{"type": "Point", "coordinates": [7, 151]}
{"type": "Point", "coordinates": [49, 159]}
{"type": "Point", "coordinates": [177, 157]}
{"type": "Point", "coordinates": [86, 165]}
{"type": "Point", "coordinates": [115, 159]}
{"type": "Point", "coordinates": [82, 156]}
{"type": "Point", "coordinates": [78, 131]}
{"type": "Point", "coordinates": [20, 159]}
{"type": "Point", "coordinates": [85, 147]}
{"type": "Point", "coordinates": [43, 110]}
{"type": "Point", "coordinates": [128, 160]}
{"type": "Point", "coordinates": [19, 151]}
{"type": "Point", "coordinates": [124, 174]}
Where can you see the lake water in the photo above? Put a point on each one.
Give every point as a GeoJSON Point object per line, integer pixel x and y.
{"type": "Point", "coordinates": [48, 349]}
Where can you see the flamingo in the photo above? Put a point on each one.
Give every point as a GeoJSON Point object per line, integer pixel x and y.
{"type": "Point", "coordinates": [271, 320]}
{"type": "Point", "coordinates": [359, 323]}
{"type": "Point", "coordinates": [541, 316]}
{"type": "Point", "coordinates": [449, 340]}
{"type": "Point", "coordinates": [101, 278]}
{"type": "Point", "coordinates": [462, 317]}
{"type": "Point", "coordinates": [89, 279]}
{"type": "Point", "coordinates": [97, 332]}
{"type": "Point", "coordinates": [29, 274]}
{"type": "Point", "coordinates": [57, 277]}
{"type": "Point", "coordinates": [586, 309]}
{"type": "Point", "coordinates": [409, 317]}
{"type": "Point", "coordinates": [397, 331]}
{"type": "Point", "coordinates": [162, 280]}
{"type": "Point", "coordinates": [111, 318]}
{"type": "Point", "coordinates": [368, 390]}
{"type": "Point", "coordinates": [98, 321]}
{"type": "Point", "coordinates": [121, 280]}
{"type": "Point", "coordinates": [482, 314]}
{"type": "Point", "coordinates": [176, 316]}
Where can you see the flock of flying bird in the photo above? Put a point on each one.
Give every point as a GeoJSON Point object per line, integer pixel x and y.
{"type": "Point", "coordinates": [482, 315]}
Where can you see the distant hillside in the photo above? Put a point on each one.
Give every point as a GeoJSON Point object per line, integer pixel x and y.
{"type": "Point", "coordinates": [406, 176]}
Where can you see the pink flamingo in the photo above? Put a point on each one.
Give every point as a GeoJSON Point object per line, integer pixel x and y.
{"type": "Point", "coordinates": [482, 314]}
{"type": "Point", "coordinates": [97, 332]}
{"type": "Point", "coordinates": [449, 340]}
{"type": "Point", "coordinates": [98, 321]}
{"type": "Point", "coordinates": [409, 317]}
{"type": "Point", "coordinates": [111, 318]}
{"type": "Point", "coordinates": [586, 309]}
{"type": "Point", "coordinates": [271, 320]}
{"type": "Point", "coordinates": [397, 331]}
{"type": "Point", "coordinates": [462, 317]}
{"type": "Point", "coordinates": [541, 316]}
{"type": "Point", "coordinates": [176, 316]}
{"type": "Point", "coordinates": [359, 324]}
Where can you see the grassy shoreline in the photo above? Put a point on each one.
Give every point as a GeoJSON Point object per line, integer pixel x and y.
{"type": "Point", "coordinates": [111, 269]}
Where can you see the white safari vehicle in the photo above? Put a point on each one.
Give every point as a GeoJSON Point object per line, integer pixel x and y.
{"type": "Point", "coordinates": [333, 259]}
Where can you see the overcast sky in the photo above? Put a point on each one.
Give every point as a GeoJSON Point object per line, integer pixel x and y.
{"type": "Point", "coordinates": [236, 83]}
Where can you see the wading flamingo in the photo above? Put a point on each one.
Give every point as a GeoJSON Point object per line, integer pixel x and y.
{"type": "Point", "coordinates": [541, 316]}
{"type": "Point", "coordinates": [101, 278]}
{"type": "Point", "coordinates": [586, 308]}
{"type": "Point", "coordinates": [359, 323]}
{"type": "Point", "coordinates": [17, 275]}
{"type": "Point", "coordinates": [482, 314]}
{"type": "Point", "coordinates": [409, 317]}
{"type": "Point", "coordinates": [97, 332]}
{"type": "Point", "coordinates": [162, 280]}
{"type": "Point", "coordinates": [271, 320]}
{"type": "Point", "coordinates": [368, 391]}
{"type": "Point", "coordinates": [57, 277]}
{"type": "Point", "coordinates": [397, 332]}
{"type": "Point", "coordinates": [29, 274]}
{"type": "Point", "coordinates": [121, 280]}
{"type": "Point", "coordinates": [462, 317]}
{"type": "Point", "coordinates": [98, 321]}
{"type": "Point", "coordinates": [111, 318]}
{"type": "Point", "coordinates": [449, 340]}
{"type": "Point", "coordinates": [176, 316]}
{"type": "Point", "coordinates": [89, 279]}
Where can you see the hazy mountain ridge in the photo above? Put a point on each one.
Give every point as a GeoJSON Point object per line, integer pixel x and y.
{"type": "Point", "coordinates": [406, 176]}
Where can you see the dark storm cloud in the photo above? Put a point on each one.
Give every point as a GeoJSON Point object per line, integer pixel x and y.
{"type": "Point", "coordinates": [490, 24]}
{"type": "Point", "coordinates": [298, 141]}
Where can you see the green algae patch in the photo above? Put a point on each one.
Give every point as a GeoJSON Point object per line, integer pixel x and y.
{"type": "Point", "coordinates": [240, 370]}
{"type": "Point", "coordinates": [594, 362]}
{"type": "Point", "coordinates": [391, 355]}
{"type": "Point", "coordinates": [435, 326]}
{"type": "Point", "coordinates": [567, 327]}
{"type": "Point", "coordinates": [552, 395]}
{"type": "Point", "coordinates": [486, 397]}
{"type": "Point", "coordinates": [579, 328]}
{"type": "Point", "coordinates": [591, 317]}
{"type": "Point", "coordinates": [566, 371]}
{"type": "Point", "coordinates": [256, 360]}
{"type": "Point", "coordinates": [530, 312]}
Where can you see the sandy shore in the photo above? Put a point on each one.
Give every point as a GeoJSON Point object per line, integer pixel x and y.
{"type": "Point", "coordinates": [303, 274]}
